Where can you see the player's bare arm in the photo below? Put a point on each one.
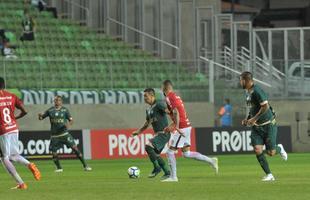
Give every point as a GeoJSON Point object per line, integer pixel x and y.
{"type": "Point", "coordinates": [22, 113]}
{"type": "Point", "coordinates": [140, 130]}
{"type": "Point", "coordinates": [69, 123]}
{"type": "Point", "coordinates": [176, 119]}
{"type": "Point", "coordinates": [264, 107]}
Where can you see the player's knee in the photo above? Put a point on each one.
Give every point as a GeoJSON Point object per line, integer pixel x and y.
{"type": "Point", "coordinates": [258, 150]}
{"type": "Point", "coordinates": [13, 158]}
{"type": "Point", "coordinates": [186, 154]}
{"type": "Point", "coordinates": [4, 158]}
{"type": "Point", "coordinates": [148, 148]}
{"type": "Point", "coordinates": [170, 151]}
{"type": "Point", "coordinates": [271, 153]}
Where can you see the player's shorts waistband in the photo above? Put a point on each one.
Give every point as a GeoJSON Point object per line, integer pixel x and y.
{"type": "Point", "coordinates": [273, 121]}
{"type": "Point", "coordinates": [61, 135]}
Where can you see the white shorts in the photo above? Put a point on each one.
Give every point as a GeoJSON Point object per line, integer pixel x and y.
{"type": "Point", "coordinates": [178, 141]}
{"type": "Point", "coordinates": [9, 144]}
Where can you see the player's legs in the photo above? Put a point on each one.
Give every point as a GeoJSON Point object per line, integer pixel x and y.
{"type": "Point", "coordinates": [5, 145]}
{"type": "Point", "coordinates": [213, 162]}
{"type": "Point", "coordinates": [271, 142]}
{"type": "Point", "coordinates": [185, 143]}
{"type": "Point", "coordinates": [158, 162]}
{"type": "Point", "coordinates": [68, 140]}
{"type": "Point", "coordinates": [79, 155]}
{"type": "Point", "coordinates": [258, 144]}
{"type": "Point", "coordinates": [173, 164]}
{"type": "Point", "coordinates": [14, 156]}
{"type": "Point", "coordinates": [54, 146]}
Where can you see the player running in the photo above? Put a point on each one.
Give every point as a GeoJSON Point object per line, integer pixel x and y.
{"type": "Point", "coordinates": [181, 139]}
{"type": "Point", "coordinates": [9, 136]}
{"type": "Point", "coordinates": [61, 119]}
{"type": "Point", "coordinates": [155, 115]}
{"type": "Point", "coordinates": [262, 120]}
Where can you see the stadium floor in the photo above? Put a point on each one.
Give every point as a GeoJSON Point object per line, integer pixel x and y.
{"type": "Point", "coordinates": [239, 179]}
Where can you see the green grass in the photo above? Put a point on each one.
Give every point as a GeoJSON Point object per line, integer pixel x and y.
{"type": "Point", "coordinates": [239, 179]}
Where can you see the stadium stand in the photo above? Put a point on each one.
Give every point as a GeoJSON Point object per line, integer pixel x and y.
{"type": "Point", "coordinates": [67, 55]}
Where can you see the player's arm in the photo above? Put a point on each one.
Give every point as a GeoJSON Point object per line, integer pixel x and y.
{"type": "Point", "coordinates": [23, 111]}
{"type": "Point", "coordinates": [261, 97]}
{"type": "Point", "coordinates": [41, 116]}
{"type": "Point", "coordinates": [140, 130]}
{"type": "Point", "coordinates": [70, 119]}
{"type": "Point", "coordinates": [176, 122]}
{"type": "Point", "coordinates": [264, 106]}
{"type": "Point", "coordinates": [19, 105]}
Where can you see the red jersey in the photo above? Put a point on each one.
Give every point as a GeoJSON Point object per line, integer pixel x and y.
{"type": "Point", "coordinates": [8, 102]}
{"type": "Point", "coordinates": [174, 101]}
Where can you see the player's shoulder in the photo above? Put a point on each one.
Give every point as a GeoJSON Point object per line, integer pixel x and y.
{"type": "Point", "coordinates": [258, 90]}
{"type": "Point", "coordinates": [6, 93]}
{"type": "Point", "coordinates": [51, 108]}
{"type": "Point", "coordinates": [64, 109]}
{"type": "Point", "coordinates": [160, 103]}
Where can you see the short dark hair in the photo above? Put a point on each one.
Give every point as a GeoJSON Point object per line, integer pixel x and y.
{"type": "Point", "coordinates": [150, 90]}
{"type": "Point", "coordinates": [246, 76]}
{"type": "Point", "coordinates": [167, 82]}
{"type": "Point", "coordinates": [227, 100]}
{"type": "Point", "coordinates": [58, 97]}
{"type": "Point", "coordinates": [2, 83]}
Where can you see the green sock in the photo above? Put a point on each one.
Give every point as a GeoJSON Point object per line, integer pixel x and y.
{"type": "Point", "coordinates": [80, 156]}
{"type": "Point", "coordinates": [163, 165]}
{"type": "Point", "coordinates": [263, 163]}
{"type": "Point", "coordinates": [56, 161]}
{"type": "Point", "coordinates": [153, 156]}
{"type": "Point", "coordinates": [278, 149]}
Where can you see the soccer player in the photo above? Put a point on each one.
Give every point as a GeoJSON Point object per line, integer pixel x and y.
{"type": "Point", "coordinates": [181, 139]}
{"type": "Point", "coordinates": [155, 115]}
{"type": "Point", "coordinates": [262, 120]}
{"type": "Point", "coordinates": [61, 119]}
{"type": "Point", "coordinates": [9, 136]}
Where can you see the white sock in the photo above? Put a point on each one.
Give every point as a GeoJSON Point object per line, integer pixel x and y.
{"type": "Point", "coordinates": [198, 156]}
{"type": "Point", "coordinates": [19, 159]}
{"type": "Point", "coordinates": [12, 170]}
{"type": "Point", "coordinates": [172, 162]}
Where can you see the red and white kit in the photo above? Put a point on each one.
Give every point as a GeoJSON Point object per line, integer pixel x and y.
{"type": "Point", "coordinates": [175, 102]}
{"type": "Point", "coordinates": [8, 125]}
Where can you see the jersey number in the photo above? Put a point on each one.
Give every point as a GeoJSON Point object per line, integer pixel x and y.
{"type": "Point", "coordinates": [6, 115]}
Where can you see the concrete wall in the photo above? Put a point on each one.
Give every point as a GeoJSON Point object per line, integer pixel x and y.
{"type": "Point", "coordinates": [286, 116]}
{"type": "Point", "coordinates": [112, 116]}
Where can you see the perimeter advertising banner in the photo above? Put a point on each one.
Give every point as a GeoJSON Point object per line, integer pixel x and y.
{"type": "Point", "coordinates": [234, 140]}
{"type": "Point", "coordinates": [118, 143]}
{"type": "Point", "coordinates": [35, 144]}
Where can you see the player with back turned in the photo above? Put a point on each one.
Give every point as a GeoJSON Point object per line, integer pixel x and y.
{"type": "Point", "coordinates": [9, 136]}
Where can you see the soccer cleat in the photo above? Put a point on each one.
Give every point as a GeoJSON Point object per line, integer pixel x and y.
{"type": "Point", "coordinates": [22, 186]}
{"type": "Point", "coordinates": [215, 165]}
{"type": "Point", "coordinates": [164, 177]}
{"type": "Point", "coordinates": [154, 173]}
{"type": "Point", "coordinates": [58, 170]}
{"type": "Point", "coordinates": [283, 153]}
{"type": "Point", "coordinates": [35, 171]}
{"type": "Point", "coordinates": [87, 168]}
{"type": "Point", "coordinates": [170, 179]}
{"type": "Point", "coordinates": [268, 177]}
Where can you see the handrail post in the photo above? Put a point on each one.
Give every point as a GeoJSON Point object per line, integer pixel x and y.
{"type": "Point", "coordinates": [211, 81]}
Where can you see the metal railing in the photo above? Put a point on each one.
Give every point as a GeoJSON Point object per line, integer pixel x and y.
{"type": "Point", "coordinates": [68, 11]}
{"type": "Point", "coordinates": [143, 34]}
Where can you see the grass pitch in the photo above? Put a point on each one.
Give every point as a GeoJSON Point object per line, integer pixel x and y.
{"type": "Point", "coordinates": [239, 179]}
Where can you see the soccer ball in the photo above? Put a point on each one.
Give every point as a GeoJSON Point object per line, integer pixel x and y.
{"type": "Point", "coordinates": [133, 172]}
